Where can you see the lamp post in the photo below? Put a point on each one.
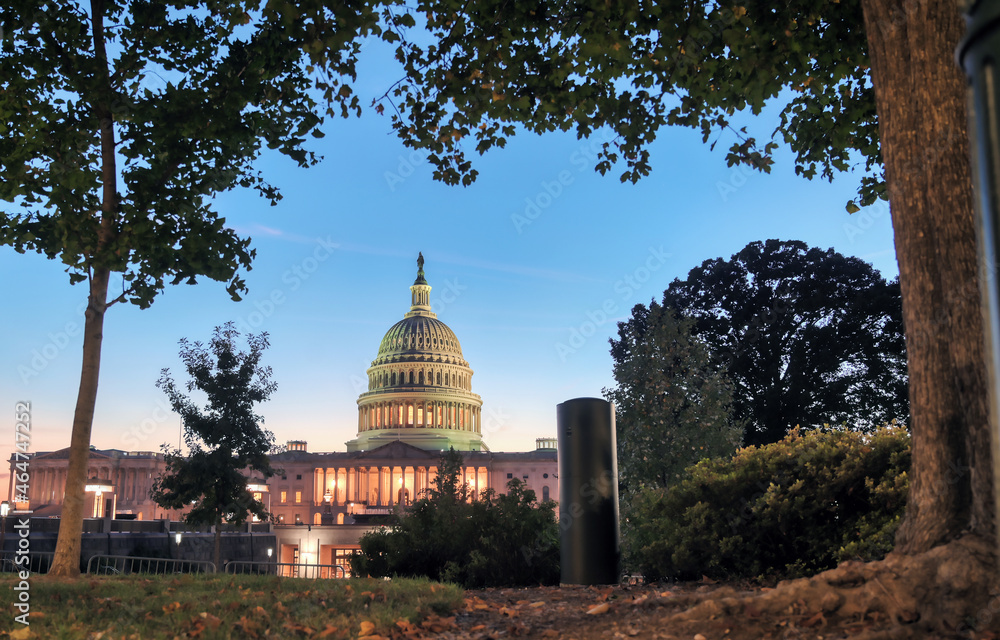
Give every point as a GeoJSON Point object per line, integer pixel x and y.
{"type": "Point", "coordinates": [270, 552]}
{"type": "Point", "coordinates": [327, 500]}
{"type": "Point", "coordinates": [4, 510]}
{"type": "Point", "coordinates": [177, 539]}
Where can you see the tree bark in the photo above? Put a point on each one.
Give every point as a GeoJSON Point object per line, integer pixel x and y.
{"type": "Point", "coordinates": [920, 95]}
{"type": "Point", "coordinates": [67, 557]}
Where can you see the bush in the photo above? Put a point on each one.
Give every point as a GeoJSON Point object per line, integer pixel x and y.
{"type": "Point", "coordinates": [784, 510]}
{"type": "Point", "coordinates": [497, 540]}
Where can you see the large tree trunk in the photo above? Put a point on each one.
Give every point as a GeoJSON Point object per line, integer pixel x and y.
{"type": "Point", "coordinates": [67, 558]}
{"type": "Point", "coordinates": [920, 96]}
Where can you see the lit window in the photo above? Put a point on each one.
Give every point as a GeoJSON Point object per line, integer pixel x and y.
{"type": "Point", "coordinates": [298, 496]}
{"type": "Point", "coordinates": [284, 496]}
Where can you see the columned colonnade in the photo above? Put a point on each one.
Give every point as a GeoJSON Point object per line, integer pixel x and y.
{"type": "Point", "coordinates": [430, 414]}
{"type": "Point", "coordinates": [47, 485]}
{"type": "Point", "coordinates": [385, 485]}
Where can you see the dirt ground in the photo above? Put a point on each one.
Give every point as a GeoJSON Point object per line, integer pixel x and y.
{"type": "Point", "coordinates": [648, 611]}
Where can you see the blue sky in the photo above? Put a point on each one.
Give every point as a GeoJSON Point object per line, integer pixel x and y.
{"type": "Point", "coordinates": [531, 267]}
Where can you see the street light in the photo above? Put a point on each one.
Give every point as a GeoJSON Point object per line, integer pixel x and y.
{"type": "Point", "coordinates": [4, 510]}
{"type": "Point", "coordinates": [270, 552]}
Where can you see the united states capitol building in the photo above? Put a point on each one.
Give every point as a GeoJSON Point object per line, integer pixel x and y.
{"type": "Point", "coordinates": [419, 403]}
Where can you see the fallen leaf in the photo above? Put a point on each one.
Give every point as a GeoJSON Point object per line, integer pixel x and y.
{"type": "Point", "coordinates": [437, 624]}
{"type": "Point", "coordinates": [598, 609]}
{"type": "Point", "coordinates": [550, 633]}
{"type": "Point", "coordinates": [210, 621]}
{"type": "Point", "coordinates": [405, 625]}
{"type": "Point", "coordinates": [367, 628]}
{"type": "Point", "coordinates": [328, 631]}
{"type": "Point", "coordinates": [299, 628]}
{"type": "Point", "coordinates": [170, 608]}
{"type": "Point", "coordinates": [20, 634]}
{"type": "Point", "coordinates": [707, 580]}
{"type": "Point", "coordinates": [535, 605]}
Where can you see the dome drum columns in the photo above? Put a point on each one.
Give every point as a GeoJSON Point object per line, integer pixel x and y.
{"type": "Point", "coordinates": [417, 414]}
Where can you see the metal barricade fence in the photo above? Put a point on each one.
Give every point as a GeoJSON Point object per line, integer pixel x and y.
{"type": "Point", "coordinates": [33, 561]}
{"type": "Point", "coordinates": [115, 565]}
{"type": "Point", "coordinates": [286, 569]}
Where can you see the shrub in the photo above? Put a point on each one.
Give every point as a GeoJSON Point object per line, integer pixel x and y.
{"type": "Point", "coordinates": [497, 540]}
{"type": "Point", "coordinates": [783, 510]}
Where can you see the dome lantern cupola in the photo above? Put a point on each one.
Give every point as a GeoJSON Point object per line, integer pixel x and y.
{"type": "Point", "coordinates": [420, 292]}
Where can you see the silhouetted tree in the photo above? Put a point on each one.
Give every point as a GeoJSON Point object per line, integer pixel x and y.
{"type": "Point", "coordinates": [807, 337]}
{"type": "Point", "coordinates": [224, 438]}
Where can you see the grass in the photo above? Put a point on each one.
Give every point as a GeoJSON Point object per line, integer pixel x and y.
{"type": "Point", "coordinates": [222, 606]}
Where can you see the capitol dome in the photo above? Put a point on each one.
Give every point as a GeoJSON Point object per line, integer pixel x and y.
{"type": "Point", "coordinates": [419, 385]}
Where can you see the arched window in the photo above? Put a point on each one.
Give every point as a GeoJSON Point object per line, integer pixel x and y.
{"type": "Point", "coordinates": [421, 377]}
{"type": "Point", "coordinates": [317, 519]}
{"type": "Point", "coordinates": [393, 383]}
{"type": "Point", "coordinates": [411, 377]}
{"type": "Point", "coordinates": [545, 493]}
{"type": "Point", "coordinates": [446, 379]}
{"type": "Point", "coordinates": [340, 518]}
{"type": "Point", "coordinates": [439, 378]}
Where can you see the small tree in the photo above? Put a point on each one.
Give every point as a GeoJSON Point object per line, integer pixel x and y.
{"type": "Point", "coordinates": [498, 540]}
{"type": "Point", "coordinates": [224, 438]}
{"type": "Point", "coordinates": [672, 406]}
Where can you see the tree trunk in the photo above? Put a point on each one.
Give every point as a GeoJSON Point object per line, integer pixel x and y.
{"type": "Point", "coordinates": [217, 553]}
{"type": "Point", "coordinates": [67, 557]}
{"type": "Point", "coordinates": [920, 96]}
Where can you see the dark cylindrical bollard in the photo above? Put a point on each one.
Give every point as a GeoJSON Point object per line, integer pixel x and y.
{"type": "Point", "coordinates": [588, 492]}
{"type": "Point", "coordinates": [979, 55]}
